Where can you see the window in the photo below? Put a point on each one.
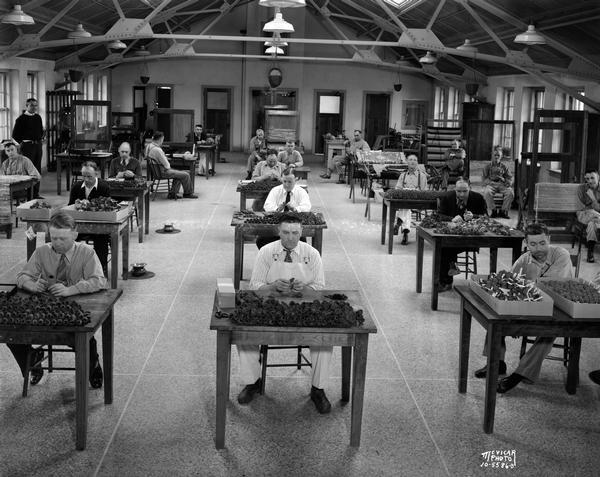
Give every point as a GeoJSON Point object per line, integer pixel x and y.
{"type": "Point", "coordinates": [508, 108]}
{"type": "Point", "coordinates": [454, 103]}
{"type": "Point", "coordinates": [439, 111]}
{"type": "Point", "coordinates": [87, 85]}
{"type": "Point", "coordinates": [102, 88]}
{"type": "Point", "coordinates": [570, 103]}
{"type": "Point", "coordinates": [32, 88]}
{"type": "Point", "coordinates": [536, 101]}
{"type": "Point", "coordinates": [5, 131]}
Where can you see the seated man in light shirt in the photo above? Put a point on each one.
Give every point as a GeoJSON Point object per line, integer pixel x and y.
{"type": "Point", "coordinates": [287, 197]}
{"type": "Point", "coordinates": [289, 156]}
{"type": "Point", "coordinates": [411, 179]}
{"type": "Point", "coordinates": [589, 196]}
{"type": "Point", "coordinates": [269, 169]}
{"type": "Point", "coordinates": [541, 260]}
{"type": "Point", "coordinates": [16, 164]}
{"type": "Point", "coordinates": [62, 268]}
{"type": "Point", "coordinates": [180, 178]}
{"type": "Point", "coordinates": [275, 266]}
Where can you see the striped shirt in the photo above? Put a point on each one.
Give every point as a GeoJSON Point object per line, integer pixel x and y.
{"type": "Point", "coordinates": [302, 253]}
{"type": "Point", "coordinates": [19, 166]}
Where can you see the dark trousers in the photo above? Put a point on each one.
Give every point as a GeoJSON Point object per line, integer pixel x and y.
{"type": "Point", "coordinates": [20, 352]}
{"type": "Point", "coordinates": [33, 151]}
{"type": "Point", "coordinates": [448, 256]}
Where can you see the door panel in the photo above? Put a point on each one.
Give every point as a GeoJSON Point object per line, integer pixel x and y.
{"type": "Point", "coordinates": [377, 108]}
{"type": "Point", "coordinates": [329, 117]}
{"type": "Point", "coordinates": [217, 114]}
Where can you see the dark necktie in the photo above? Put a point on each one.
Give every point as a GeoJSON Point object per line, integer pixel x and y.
{"type": "Point", "coordinates": [288, 197]}
{"type": "Point", "coordinates": [62, 275]}
{"type": "Point", "coordinates": [288, 254]}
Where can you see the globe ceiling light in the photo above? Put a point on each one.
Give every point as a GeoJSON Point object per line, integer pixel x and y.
{"type": "Point", "coordinates": [117, 45]}
{"type": "Point", "coordinates": [17, 17]}
{"type": "Point", "coordinates": [79, 32]}
{"type": "Point", "coordinates": [274, 50]}
{"type": "Point", "coordinates": [278, 25]}
{"type": "Point", "coordinates": [428, 59]}
{"type": "Point", "coordinates": [530, 37]}
{"type": "Point", "coordinates": [282, 3]}
{"type": "Point", "coordinates": [468, 47]}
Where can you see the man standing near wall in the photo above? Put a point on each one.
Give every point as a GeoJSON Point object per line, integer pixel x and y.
{"type": "Point", "coordinates": [29, 132]}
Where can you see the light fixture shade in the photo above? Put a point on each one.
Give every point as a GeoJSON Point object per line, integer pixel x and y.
{"type": "Point", "coordinates": [428, 59]}
{"type": "Point", "coordinates": [274, 50]}
{"type": "Point", "coordinates": [530, 37]}
{"type": "Point", "coordinates": [141, 51]}
{"type": "Point", "coordinates": [117, 45]}
{"type": "Point", "coordinates": [282, 3]}
{"type": "Point", "coordinates": [275, 42]}
{"type": "Point", "coordinates": [17, 17]}
{"type": "Point", "coordinates": [79, 32]}
{"type": "Point", "coordinates": [467, 46]}
{"type": "Point", "coordinates": [75, 75]}
{"type": "Point", "coordinates": [471, 88]}
{"type": "Point", "coordinates": [278, 25]}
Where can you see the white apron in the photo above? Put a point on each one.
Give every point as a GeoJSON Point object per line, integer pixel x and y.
{"type": "Point", "coordinates": [286, 270]}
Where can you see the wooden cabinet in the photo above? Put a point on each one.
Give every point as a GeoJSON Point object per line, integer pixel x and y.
{"type": "Point", "coordinates": [478, 140]}
{"type": "Point", "coordinates": [281, 126]}
{"type": "Point", "coordinates": [58, 123]}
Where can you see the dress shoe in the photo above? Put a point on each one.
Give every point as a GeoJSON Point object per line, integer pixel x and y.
{"type": "Point", "coordinates": [190, 196]}
{"type": "Point", "coordinates": [481, 373]}
{"type": "Point", "coordinates": [590, 253]}
{"type": "Point", "coordinates": [595, 376]}
{"type": "Point", "coordinates": [248, 392]}
{"type": "Point", "coordinates": [96, 376]}
{"type": "Point", "coordinates": [172, 196]}
{"type": "Point", "coordinates": [325, 176]}
{"type": "Point", "coordinates": [405, 233]}
{"type": "Point", "coordinates": [494, 214]}
{"type": "Point", "coordinates": [453, 270]}
{"type": "Point", "coordinates": [321, 402]}
{"type": "Point", "coordinates": [444, 287]}
{"type": "Point", "coordinates": [509, 382]}
{"type": "Point", "coordinates": [36, 372]}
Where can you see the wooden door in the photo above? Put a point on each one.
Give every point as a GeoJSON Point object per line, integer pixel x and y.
{"type": "Point", "coordinates": [329, 117]}
{"type": "Point", "coordinates": [217, 114]}
{"type": "Point", "coordinates": [377, 116]}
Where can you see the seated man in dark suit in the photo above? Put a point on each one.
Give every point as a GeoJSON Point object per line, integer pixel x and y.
{"type": "Point", "coordinates": [89, 188]}
{"type": "Point", "coordinates": [125, 166]}
{"type": "Point", "coordinates": [460, 204]}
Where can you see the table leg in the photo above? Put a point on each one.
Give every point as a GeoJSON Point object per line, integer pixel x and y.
{"type": "Point", "coordinates": [494, 339]}
{"type": "Point", "coordinates": [435, 279]}
{"type": "Point", "coordinates": [346, 368]}
{"type": "Point", "coordinates": [58, 175]}
{"type": "Point", "coordinates": [140, 216]}
{"type": "Point", "coordinates": [359, 371]}
{"type": "Point", "coordinates": [463, 354]}
{"type": "Point", "coordinates": [494, 259]}
{"type": "Point", "coordinates": [147, 211]}
{"type": "Point", "coordinates": [420, 247]}
{"type": "Point", "coordinates": [125, 251]}
{"type": "Point", "coordinates": [192, 172]}
{"type": "Point", "coordinates": [391, 223]}
{"type": "Point", "coordinates": [573, 366]}
{"type": "Point", "coordinates": [383, 221]}
{"type": "Point", "coordinates": [107, 356]}
{"type": "Point", "coordinates": [114, 259]}
{"type": "Point", "coordinates": [238, 244]}
{"type": "Point", "coordinates": [223, 369]}
{"type": "Point", "coordinates": [82, 364]}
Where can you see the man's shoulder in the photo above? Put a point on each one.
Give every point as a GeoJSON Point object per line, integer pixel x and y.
{"type": "Point", "coordinates": [475, 195]}
{"type": "Point", "coordinates": [556, 252]}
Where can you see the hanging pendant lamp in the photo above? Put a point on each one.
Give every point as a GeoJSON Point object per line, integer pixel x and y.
{"type": "Point", "coordinates": [282, 3]}
{"type": "Point", "coordinates": [17, 17]}
{"type": "Point", "coordinates": [278, 25]}
{"type": "Point", "coordinates": [530, 37]}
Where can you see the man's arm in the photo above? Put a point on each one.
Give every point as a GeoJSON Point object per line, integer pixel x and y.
{"type": "Point", "coordinates": [316, 266]}
{"type": "Point", "coordinates": [112, 169]}
{"type": "Point", "coordinates": [31, 169]}
{"type": "Point", "coordinates": [299, 161]}
{"type": "Point", "coordinates": [562, 266]}
{"type": "Point", "coordinates": [32, 273]}
{"type": "Point", "coordinates": [159, 155]}
{"type": "Point", "coordinates": [304, 204]}
{"type": "Point", "coordinates": [137, 170]}
{"type": "Point", "coordinates": [18, 133]}
{"type": "Point", "coordinates": [93, 278]}
{"type": "Point", "coordinates": [486, 174]}
{"type": "Point", "coordinates": [261, 269]}
{"type": "Point", "coordinates": [507, 176]}
{"type": "Point", "coordinates": [271, 202]}
{"type": "Point", "coordinates": [445, 207]}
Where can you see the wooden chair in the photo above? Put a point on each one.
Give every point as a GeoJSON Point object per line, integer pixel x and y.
{"type": "Point", "coordinates": [301, 360]}
{"type": "Point", "coordinates": [467, 261]}
{"type": "Point", "coordinates": [48, 351]}
{"type": "Point", "coordinates": [155, 174]}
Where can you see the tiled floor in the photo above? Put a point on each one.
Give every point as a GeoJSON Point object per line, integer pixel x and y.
{"type": "Point", "coordinates": [162, 418]}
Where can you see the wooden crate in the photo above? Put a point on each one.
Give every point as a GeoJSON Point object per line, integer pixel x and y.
{"type": "Point", "coordinates": [25, 212]}
{"type": "Point", "coordinates": [571, 308]}
{"type": "Point", "coordinates": [108, 216]}
{"type": "Point", "coordinates": [542, 308]}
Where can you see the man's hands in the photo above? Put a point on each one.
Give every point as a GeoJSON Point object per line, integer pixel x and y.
{"type": "Point", "coordinates": [288, 286]}
{"type": "Point", "coordinates": [58, 289]}
{"type": "Point", "coordinates": [38, 286]}
{"type": "Point", "coordinates": [41, 286]}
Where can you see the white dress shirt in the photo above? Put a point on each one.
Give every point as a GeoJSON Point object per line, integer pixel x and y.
{"type": "Point", "coordinates": [299, 199]}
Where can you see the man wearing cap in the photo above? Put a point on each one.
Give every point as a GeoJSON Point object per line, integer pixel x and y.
{"type": "Point", "coordinates": [29, 132]}
{"type": "Point", "coordinates": [17, 164]}
{"type": "Point", "coordinates": [283, 267]}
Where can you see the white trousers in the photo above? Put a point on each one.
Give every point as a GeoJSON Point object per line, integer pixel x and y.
{"type": "Point", "coordinates": [405, 215]}
{"type": "Point", "coordinates": [591, 219]}
{"type": "Point", "coordinates": [320, 357]}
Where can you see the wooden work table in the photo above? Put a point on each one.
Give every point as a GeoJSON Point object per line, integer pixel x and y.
{"type": "Point", "coordinates": [354, 342]}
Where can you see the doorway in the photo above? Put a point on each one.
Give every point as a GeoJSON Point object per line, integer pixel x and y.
{"type": "Point", "coordinates": [329, 116]}
{"type": "Point", "coordinates": [164, 98]}
{"type": "Point", "coordinates": [217, 114]}
{"type": "Point", "coordinates": [284, 99]}
{"type": "Point", "coordinates": [377, 116]}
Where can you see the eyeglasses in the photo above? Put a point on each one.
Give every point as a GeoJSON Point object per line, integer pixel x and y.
{"type": "Point", "coordinates": [124, 152]}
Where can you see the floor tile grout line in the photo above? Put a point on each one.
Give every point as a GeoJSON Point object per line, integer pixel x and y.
{"type": "Point", "coordinates": [158, 334]}
{"type": "Point", "coordinates": [381, 329]}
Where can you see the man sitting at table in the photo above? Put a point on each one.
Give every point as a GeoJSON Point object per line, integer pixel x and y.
{"type": "Point", "coordinates": [180, 178]}
{"type": "Point", "coordinates": [460, 204]}
{"type": "Point", "coordinates": [411, 179]}
{"type": "Point", "coordinates": [283, 267]}
{"type": "Point", "coordinates": [257, 149]}
{"type": "Point", "coordinates": [125, 166]}
{"type": "Point", "coordinates": [589, 196]}
{"type": "Point", "coordinates": [62, 268]}
{"type": "Point", "coordinates": [352, 147]}
{"type": "Point", "coordinates": [90, 188]}
{"type": "Point", "coordinates": [497, 179]}
{"type": "Point", "coordinates": [16, 164]}
{"type": "Point", "coordinates": [541, 260]}
{"type": "Point", "coordinates": [269, 169]}
{"type": "Point", "coordinates": [289, 156]}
